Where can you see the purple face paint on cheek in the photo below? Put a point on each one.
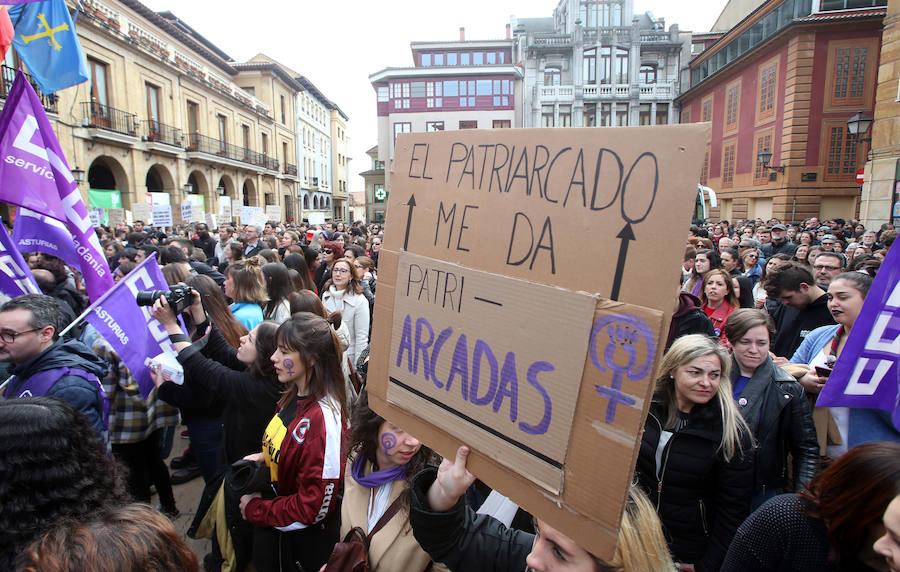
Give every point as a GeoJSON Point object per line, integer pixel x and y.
{"type": "Point", "coordinates": [288, 365]}
{"type": "Point", "coordinates": [388, 442]}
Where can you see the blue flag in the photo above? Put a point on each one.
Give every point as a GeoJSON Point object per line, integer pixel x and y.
{"type": "Point", "coordinates": [47, 43]}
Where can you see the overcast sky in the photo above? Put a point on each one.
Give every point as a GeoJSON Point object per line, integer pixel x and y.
{"type": "Point", "coordinates": [337, 44]}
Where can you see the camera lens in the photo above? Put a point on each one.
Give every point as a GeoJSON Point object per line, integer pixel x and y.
{"type": "Point", "coordinates": [148, 298]}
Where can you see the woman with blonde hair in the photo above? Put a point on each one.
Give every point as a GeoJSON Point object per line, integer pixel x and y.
{"type": "Point", "coordinates": [696, 455]}
{"type": "Point", "coordinates": [246, 285]}
{"type": "Point", "coordinates": [453, 534]}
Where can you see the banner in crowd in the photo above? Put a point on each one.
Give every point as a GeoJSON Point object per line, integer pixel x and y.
{"type": "Point", "coordinates": [47, 43]}
{"type": "Point", "coordinates": [129, 328]}
{"type": "Point", "coordinates": [15, 275]}
{"type": "Point", "coordinates": [34, 175]}
{"type": "Point", "coordinates": [868, 372]}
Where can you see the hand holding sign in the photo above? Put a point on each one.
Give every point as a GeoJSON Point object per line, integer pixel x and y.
{"type": "Point", "coordinates": [452, 481]}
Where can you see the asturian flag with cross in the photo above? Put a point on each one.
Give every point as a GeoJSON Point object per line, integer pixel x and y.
{"type": "Point", "coordinates": [48, 45]}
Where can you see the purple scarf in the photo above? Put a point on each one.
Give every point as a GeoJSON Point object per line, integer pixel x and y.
{"type": "Point", "coordinates": [377, 478]}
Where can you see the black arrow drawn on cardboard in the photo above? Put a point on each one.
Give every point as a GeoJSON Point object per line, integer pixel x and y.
{"type": "Point", "coordinates": [627, 235]}
{"type": "Point", "coordinates": [411, 203]}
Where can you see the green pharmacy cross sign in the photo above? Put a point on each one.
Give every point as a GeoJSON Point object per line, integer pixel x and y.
{"type": "Point", "coordinates": [380, 194]}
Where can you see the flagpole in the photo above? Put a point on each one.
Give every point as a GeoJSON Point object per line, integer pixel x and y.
{"type": "Point", "coordinates": [76, 321]}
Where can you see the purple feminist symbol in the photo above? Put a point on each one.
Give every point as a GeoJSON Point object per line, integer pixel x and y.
{"type": "Point", "coordinates": [388, 442]}
{"type": "Point", "coordinates": [620, 355]}
{"type": "Point", "coordinates": [288, 365]}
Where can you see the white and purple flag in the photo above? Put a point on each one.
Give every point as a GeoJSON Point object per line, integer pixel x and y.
{"type": "Point", "coordinates": [129, 328]}
{"type": "Point", "coordinates": [15, 275]}
{"type": "Point", "coordinates": [867, 374]}
{"type": "Point", "coordinates": [34, 232]}
{"type": "Point", "coordinates": [34, 175]}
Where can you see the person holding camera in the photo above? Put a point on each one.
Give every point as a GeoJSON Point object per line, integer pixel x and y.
{"type": "Point", "coordinates": [242, 379]}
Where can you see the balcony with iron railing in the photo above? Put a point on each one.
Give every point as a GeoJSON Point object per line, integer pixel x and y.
{"type": "Point", "coordinates": [290, 169]}
{"type": "Point", "coordinates": [197, 142]}
{"type": "Point", "coordinates": [9, 76]}
{"type": "Point", "coordinates": [101, 116]}
{"type": "Point", "coordinates": [156, 132]}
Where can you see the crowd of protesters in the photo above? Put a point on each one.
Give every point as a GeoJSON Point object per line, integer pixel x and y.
{"type": "Point", "coordinates": [738, 469]}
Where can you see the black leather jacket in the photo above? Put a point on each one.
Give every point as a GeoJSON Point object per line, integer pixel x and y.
{"type": "Point", "coordinates": [782, 424]}
{"type": "Point", "coordinates": [461, 539]}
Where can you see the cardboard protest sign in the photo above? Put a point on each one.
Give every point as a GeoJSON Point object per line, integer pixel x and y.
{"type": "Point", "coordinates": [525, 286]}
{"type": "Point", "coordinates": [142, 212]}
{"type": "Point", "coordinates": [116, 217]}
{"type": "Point", "coordinates": [161, 215]}
{"type": "Point", "coordinates": [225, 213]}
{"type": "Point", "coordinates": [211, 221]}
{"type": "Point", "coordinates": [273, 212]}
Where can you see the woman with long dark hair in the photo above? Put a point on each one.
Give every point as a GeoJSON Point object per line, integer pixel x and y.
{"type": "Point", "coordinates": [719, 299]}
{"type": "Point", "coordinates": [750, 266]}
{"type": "Point", "coordinates": [343, 293]}
{"type": "Point", "coordinates": [53, 465]}
{"type": "Point", "coordinates": [279, 288]}
{"type": "Point", "coordinates": [242, 379]}
{"type": "Point", "coordinates": [304, 448]}
{"type": "Point", "coordinates": [704, 261]}
{"type": "Point", "coordinates": [383, 461]}
{"type": "Point", "coordinates": [216, 307]}
{"type": "Point", "coordinates": [696, 456]}
{"type": "Point", "coordinates": [298, 262]}
{"type": "Point", "coordinates": [828, 527]}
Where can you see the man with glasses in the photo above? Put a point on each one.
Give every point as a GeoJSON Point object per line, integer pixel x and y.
{"type": "Point", "coordinates": [252, 244]}
{"type": "Point", "coordinates": [46, 365]}
{"type": "Point", "coordinates": [828, 242]}
{"type": "Point", "coordinates": [826, 267]}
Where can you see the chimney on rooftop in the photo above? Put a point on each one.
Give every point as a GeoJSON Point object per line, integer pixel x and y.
{"type": "Point", "coordinates": [462, 34]}
{"type": "Point", "coordinates": [507, 32]}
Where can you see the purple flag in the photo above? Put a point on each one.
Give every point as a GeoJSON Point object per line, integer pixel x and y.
{"type": "Point", "coordinates": [129, 328]}
{"type": "Point", "coordinates": [15, 275]}
{"type": "Point", "coordinates": [34, 174]}
{"type": "Point", "coordinates": [867, 374]}
{"type": "Point", "coordinates": [34, 232]}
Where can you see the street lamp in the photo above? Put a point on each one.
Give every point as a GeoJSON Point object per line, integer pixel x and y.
{"type": "Point", "coordinates": [765, 157]}
{"type": "Point", "coordinates": [859, 125]}
{"type": "Point", "coordinates": [187, 188]}
{"type": "Point", "coordinates": [78, 174]}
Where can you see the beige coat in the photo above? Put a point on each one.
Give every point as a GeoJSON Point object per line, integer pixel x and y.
{"type": "Point", "coordinates": [393, 547]}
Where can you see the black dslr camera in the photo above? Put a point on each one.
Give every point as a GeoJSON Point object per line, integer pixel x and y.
{"type": "Point", "coordinates": [179, 298]}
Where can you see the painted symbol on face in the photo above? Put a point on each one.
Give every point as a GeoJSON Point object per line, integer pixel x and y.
{"type": "Point", "coordinates": [624, 333]}
{"type": "Point", "coordinates": [388, 442]}
{"type": "Point", "coordinates": [288, 365]}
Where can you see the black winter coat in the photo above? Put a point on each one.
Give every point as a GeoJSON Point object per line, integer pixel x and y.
{"type": "Point", "coordinates": [461, 539]}
{"type": "Point", "coordinates": [249, 401]}
{"type": "Point", "coordinates": [701, 498]}
{"type": "Point", "coordinates": [783, 424]}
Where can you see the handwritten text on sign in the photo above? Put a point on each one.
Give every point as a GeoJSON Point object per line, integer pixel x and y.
{"type": "Point", "coordinates": [458, 350]}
